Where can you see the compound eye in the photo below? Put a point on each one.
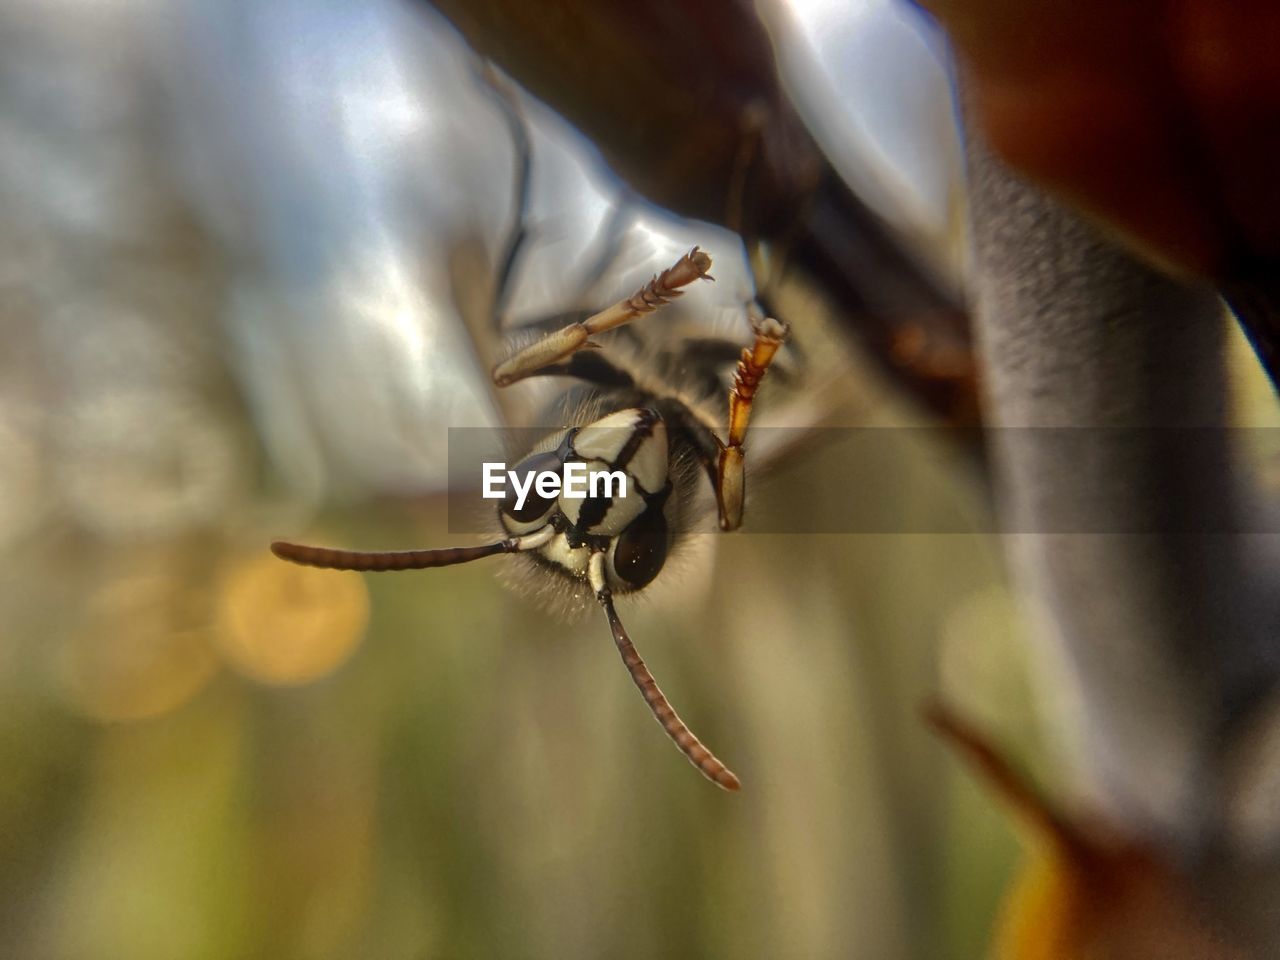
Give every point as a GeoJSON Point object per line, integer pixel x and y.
{"type": "Point", "coordinates": [642, 548]}
{"type": "Point", "coordinates": [534, 506]}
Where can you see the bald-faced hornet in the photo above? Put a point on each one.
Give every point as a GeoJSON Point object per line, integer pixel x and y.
{"type": "Point", "coordinates": [660, 432]}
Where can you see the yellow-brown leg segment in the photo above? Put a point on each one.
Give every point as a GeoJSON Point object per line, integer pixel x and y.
{"type": "Point", "coordinates": [770, 335]}
{"type": "Point", "coordinates": [563, 343]}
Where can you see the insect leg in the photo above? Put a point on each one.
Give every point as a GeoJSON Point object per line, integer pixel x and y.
{"type": "Point", "coordinates": [697, 754]}
{"type": "Point", "coordinates": [754, 363]}
{"type": "Point", "coordinates": [568, 340]}
{"type": "Point", "coordinates": [589, 368]}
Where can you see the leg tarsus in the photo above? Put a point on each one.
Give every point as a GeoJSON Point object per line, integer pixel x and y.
{"type": "Point", "coordinates": [770, 335]}
{"type": "Point", "coordinates": [563, 343]}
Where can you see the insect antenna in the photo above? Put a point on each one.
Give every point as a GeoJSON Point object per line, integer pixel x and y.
{"type": "Point", "coordinates": [385, 560]}
{"type": "Point", "coordinates": [707, 763]}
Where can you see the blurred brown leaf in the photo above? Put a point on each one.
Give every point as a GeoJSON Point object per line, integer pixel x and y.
{"type": "Point", "coordinates": [1087, 892]}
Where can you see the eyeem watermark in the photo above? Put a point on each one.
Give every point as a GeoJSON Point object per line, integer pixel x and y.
{"type": "Point", "coordinates": [878, 461]}
{"type": "Point", "coordinates": [574, 481]}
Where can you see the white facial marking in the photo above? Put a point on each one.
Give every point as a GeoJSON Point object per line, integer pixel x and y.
{"type": "Point", "coordinates": [649, 463]}
{"type": "Point", "coordinates": [595, 572]}
{"type": "Point", "coordinates": [571, 506]}
{"type": "Point", "coordinates": [622, 509]}
{"type": "Point", "coordinates": [535, 540]}
{"type": "Point", "coordinates": [621, 514]}
{"type": "Point", "coordinates": [605, 438]}
{"type": "Point", "coordinates": [608, 483]}
{"type": "Point", "coordinates": [573, 560]}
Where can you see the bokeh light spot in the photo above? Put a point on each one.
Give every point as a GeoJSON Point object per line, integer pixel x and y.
{"type": "Point", "coordinates": [284, 624]}
{"type": "Point", "coordinates": [141, 651]}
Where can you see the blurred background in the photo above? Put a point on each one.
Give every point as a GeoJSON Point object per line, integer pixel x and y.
{"type": "Point", "coordinates": [247, 252]}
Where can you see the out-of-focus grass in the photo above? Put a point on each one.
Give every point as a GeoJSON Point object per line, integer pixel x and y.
{"type": "Point", "coordinates": [466, 777]}
{"type": "Point", "coordinates": [478, 780]}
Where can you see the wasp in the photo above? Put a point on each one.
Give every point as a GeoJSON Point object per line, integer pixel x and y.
{"type": "Point", "coordinates": [658, 409]}
{"type": "Point", "coordinates": [661, 430]}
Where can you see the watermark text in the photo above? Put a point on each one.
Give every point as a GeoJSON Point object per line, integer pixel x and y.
{"type": "Point", "coordinates": [574, 481]}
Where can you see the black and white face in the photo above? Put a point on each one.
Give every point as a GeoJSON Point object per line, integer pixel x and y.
{"type": "Point", "coordinates": [620, 463]}
{"type": "Point", "coordinates": [594, 510]}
